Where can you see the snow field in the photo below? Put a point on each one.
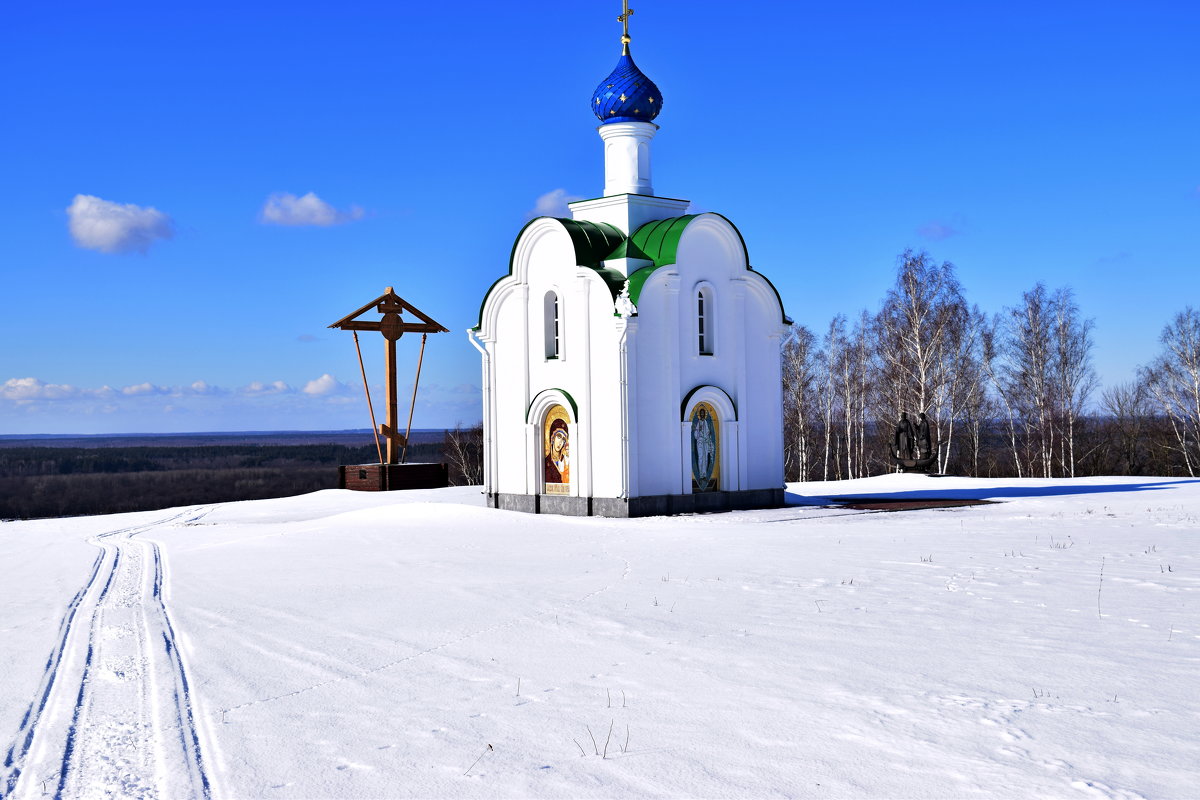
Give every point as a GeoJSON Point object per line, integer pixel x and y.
{"type": "Point", "coordinates": [356, 645]}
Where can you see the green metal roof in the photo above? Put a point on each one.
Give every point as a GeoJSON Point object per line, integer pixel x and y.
{"type": "Point", "coordinates": [660, 240]}
{"type": "Point", "coordinates": [597, 242]}
{"type": "Point", "coordinates": [627, 249]}
{"type": "Point", "coordinates": [613, 279]}
{"type": "Point", "coordinates": [593, 241]}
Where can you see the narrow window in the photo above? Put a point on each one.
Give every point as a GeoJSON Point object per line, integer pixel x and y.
{"type": "Point", "coordinates": [552, 325]}
{"type": "Point", "coordinates": [704, 322]}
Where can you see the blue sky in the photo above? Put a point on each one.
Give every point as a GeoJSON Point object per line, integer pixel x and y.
{"type": "Point", "coordinates": [1022, 141]}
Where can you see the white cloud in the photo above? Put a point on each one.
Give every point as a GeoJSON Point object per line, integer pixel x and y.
{"type": "Point", "coordinates": [324, 386]}
{"type": "Point", "coordinates": [32, 405]}
{"type": "Point", "coordinates": [109, 227]}
{"type": "Point", "coordinates": [284, 208]}
{"type": "Point", "coordinates": [28, 390]}
{"type": "Point", "coordinates": [553, 204]}
{"type": "Point", "coordinates": [259, 388]}
{"type": "Point", "coordinates": [145, 388]}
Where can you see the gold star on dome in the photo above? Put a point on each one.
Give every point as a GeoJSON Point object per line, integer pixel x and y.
{"type": "Point", "coordinates": [597, 101]}
{"type": "Point", "coordinates": [651, 99]}
{"type": "Point", "coordinates": [623, 97]}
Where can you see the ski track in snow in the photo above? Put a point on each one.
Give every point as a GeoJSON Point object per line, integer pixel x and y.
{"type": "Point", "coordinates": [112, 716]}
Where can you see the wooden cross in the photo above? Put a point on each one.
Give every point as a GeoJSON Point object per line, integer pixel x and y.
{"type": "Point", "coordinates": [392, 326]}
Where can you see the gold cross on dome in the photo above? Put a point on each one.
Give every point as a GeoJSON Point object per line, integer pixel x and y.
{"type": "Point", "coordinates": [624, 20]}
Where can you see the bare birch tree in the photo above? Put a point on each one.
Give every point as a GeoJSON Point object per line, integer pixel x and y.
{"type": "Point", "coordinates": [1028, 375]}
{"type": "Point", "coordinates": [1074, 377]}
{"type": "Point", "coordinates": [1173, 381]}
{"type": "Point", "coordinates": [865, 370]}
{"type": "Point", "coordinates": [828, 362]}
{"type": "Point", "coordinates": [969, 402]}
{"type": "Point", "coordinates": [463, 448]}
{"type": "Point", "coordinates": [992, 346]}
{"type": "Point", "coordinates": [800, 402]}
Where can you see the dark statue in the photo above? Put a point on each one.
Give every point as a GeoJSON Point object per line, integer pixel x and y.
{"type": "Point", "coordinates": [923, 442]}
{"type": "Point", "coordinates": [913, 448]}
{"type": "Point", "coordinates": [902, 442]}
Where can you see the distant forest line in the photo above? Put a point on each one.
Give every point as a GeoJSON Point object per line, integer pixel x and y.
{"type": "Point", "coordinates": [38, 481]}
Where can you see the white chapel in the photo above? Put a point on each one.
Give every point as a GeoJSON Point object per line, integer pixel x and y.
{"type": "Point", "coordinates": [631, 355]}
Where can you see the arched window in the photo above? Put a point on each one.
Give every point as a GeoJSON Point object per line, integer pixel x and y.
{"type": "Point", "coordinates": [553, 344]}
{"type": "Point", "coordinates": [704, 321]}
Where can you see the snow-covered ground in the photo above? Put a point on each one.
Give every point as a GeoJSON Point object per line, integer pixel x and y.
{"type": "Point", "coordinates": [417, 644]}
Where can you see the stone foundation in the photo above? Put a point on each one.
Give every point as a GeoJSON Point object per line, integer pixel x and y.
{"type": "Point", "coordinates": [655, 505]}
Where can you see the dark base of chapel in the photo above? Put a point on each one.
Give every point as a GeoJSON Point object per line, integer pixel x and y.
{"type": "Point", "coordinates": [653, 506]}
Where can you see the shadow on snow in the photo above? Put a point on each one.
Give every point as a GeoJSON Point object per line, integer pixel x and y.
{"type": "Point", "coordinates": [984, 492]}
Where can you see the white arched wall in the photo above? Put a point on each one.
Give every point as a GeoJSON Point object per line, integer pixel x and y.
{"type": "Point", "coordinates": [710, 238]}
{"type": "Point", "coordinates": [626, 383]}
{"type": "Point", "coordinates": [544, 241]}
{"type": "Point", "coordinates": [535, 419]}
{"type": "Point", "coordinates": [656, 389]}
{"type": "Point", "coordinates": [508, 331]}
{"type": "Point", "coordinates": [730, 455]}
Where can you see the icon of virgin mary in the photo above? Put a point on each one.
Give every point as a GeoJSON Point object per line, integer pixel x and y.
{"type": "Point", "coordinates": [558, 461]}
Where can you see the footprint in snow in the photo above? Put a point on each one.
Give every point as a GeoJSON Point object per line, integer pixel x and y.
{"type": "Point", "coordinates": [1098, 789]}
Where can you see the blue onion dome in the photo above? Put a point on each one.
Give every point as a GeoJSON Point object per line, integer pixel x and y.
{"type": "Point", "coordinates": [626, 95]}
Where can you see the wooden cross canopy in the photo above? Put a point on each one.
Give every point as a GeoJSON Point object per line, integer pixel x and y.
{"type": "Point", "coordinates": [392, 326]}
